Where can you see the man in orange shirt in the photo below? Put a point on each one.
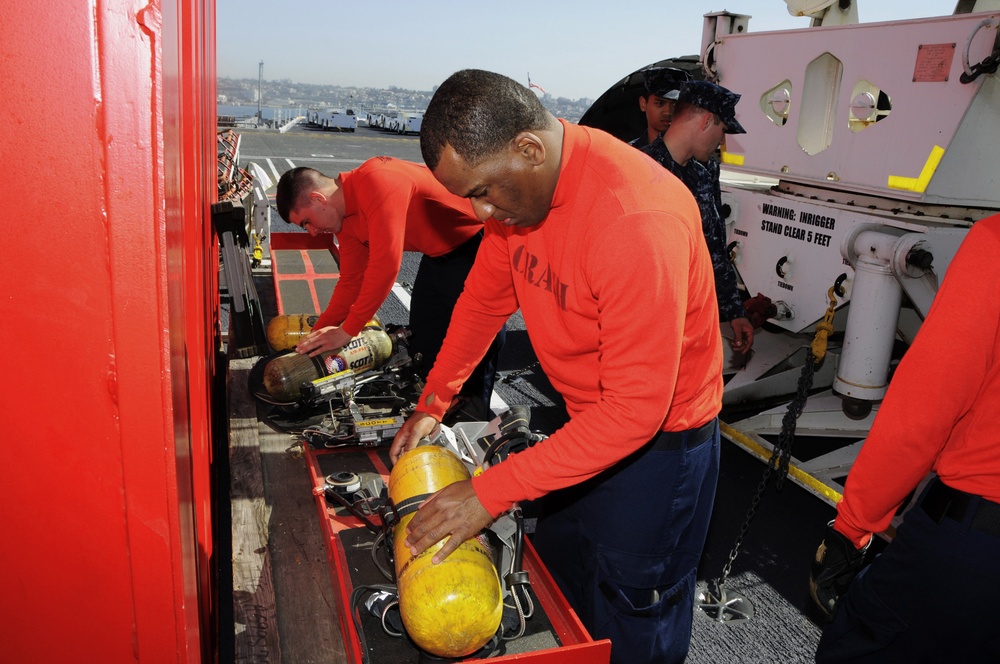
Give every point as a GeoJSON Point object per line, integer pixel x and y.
{"type": "Point", "coordinates": [377, 211]}
{"type": "Point", "coordinates": [601, 249]}
{"type": "Point", "coordinates": [931, 596]}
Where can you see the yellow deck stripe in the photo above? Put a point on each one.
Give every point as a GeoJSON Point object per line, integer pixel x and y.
{"type": "Point", "coordinates": [795, 472]}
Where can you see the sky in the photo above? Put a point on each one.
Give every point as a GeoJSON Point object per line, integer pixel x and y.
{"type": "Point", "coordinates": [571, 49]}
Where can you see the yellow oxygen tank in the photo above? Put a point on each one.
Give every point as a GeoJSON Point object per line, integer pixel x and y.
{"type": "Point", "coordinates": [285, 374]}
{"type": "Point", "coordinates": [286, 330]}
{"type": "Point", "coordinates": [453, 608]}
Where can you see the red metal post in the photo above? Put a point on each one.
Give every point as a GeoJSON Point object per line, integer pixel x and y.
{"type": "Point", "coordinates": [109, 283]}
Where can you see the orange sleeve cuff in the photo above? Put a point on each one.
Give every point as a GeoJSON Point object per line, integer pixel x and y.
{"type": "Point", "coordinates": [433, 401]}
{"type": "Point", "coordinates": [482, 484]}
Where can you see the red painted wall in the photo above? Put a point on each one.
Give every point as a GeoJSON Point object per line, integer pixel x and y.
{"type": "Point", "coordinates": [107, 317]}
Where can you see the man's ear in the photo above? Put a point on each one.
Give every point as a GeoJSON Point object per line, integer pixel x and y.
{"type": "Point", "coordinates": [642, 103]}
{"type": "Point", "coordinates": [707, 119]}
{"type": "Point", "coordinates": [317, 197]}
{"type": "Point", "coordinates": [530, 146]}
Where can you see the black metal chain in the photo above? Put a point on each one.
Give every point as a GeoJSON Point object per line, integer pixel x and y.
{"type": "Point", "coordinates": [513, 375]}
{"type": "Point", "coordinates": [780, 457]}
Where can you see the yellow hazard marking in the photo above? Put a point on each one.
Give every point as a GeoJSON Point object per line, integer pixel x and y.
{"type": "Point", "coordinates": [919, 184]}
{"type": "Point", "coordinates": [332, 377]}
{"type": "Point", "coordinates": [732, 159]}
{"type": "Point", "coordinates": [377, 423]}
{"type": "Point", "coordinates": [795, 472]}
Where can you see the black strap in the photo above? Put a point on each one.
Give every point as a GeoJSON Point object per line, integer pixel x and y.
{"type": "Point", "coordinates": [941, 500]}
{"type": "Point", "coordinates": [410, 505]}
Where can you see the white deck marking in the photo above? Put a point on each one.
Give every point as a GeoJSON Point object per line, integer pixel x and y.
{"type": "Point", "coordinates": [321, 159]}
{"type": "Point", "coordinates": [401, 295]}
{"type": "Point", "coordinates": [270, 164]}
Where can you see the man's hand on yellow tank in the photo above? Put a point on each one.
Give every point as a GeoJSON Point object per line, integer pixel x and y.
{"type": "Point", "coordinates": [453, 511]}
{"type": "Point", "coordinates": [322, 340]}
{"type": "Point", "coordinates": [420, 425]}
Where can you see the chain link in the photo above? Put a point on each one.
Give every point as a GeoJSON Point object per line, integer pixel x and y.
{"type": "Point", "coordinates": [781, 455]}
{"type": "Point", "coordinates": [510, 377]}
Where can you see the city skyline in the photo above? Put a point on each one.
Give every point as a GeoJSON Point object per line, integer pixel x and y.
{"type": "Point", "coordinates": [298, 97]}
{"type": "Point", "coordinates": [572, 50]}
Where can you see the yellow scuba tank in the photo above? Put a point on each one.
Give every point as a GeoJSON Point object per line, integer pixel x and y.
{"type": "Point", "coordinates": [453, 608]}
{"type": "Point", "coordinates": [286, 330]}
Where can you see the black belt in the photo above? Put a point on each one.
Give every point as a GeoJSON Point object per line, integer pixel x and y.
{"type": "Point", "coordinates": [941, 501]}
{"type": "Point", "coordinates": [675, 440]}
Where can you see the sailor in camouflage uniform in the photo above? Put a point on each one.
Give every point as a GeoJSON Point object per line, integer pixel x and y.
{"type": "Point", "coordinates": [704, 113]}
{"type": "Point", "coordinates": [662, 88]}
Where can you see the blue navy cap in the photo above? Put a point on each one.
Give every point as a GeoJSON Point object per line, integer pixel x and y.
{"type": "Point", "coordinates": [716, 99]}
{"type": "Point", "coordinates": [664, 81]}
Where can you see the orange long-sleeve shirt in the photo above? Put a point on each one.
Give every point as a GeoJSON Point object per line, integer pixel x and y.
{"type": "Point", "coordinates": [940, 410]}
{"type": "Point", "coordinates": [618, 296]}
{"type": "Point", "coordinates": [392, 206]}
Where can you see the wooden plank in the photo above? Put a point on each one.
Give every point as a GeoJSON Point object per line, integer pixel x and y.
{"type": "Point", "coordinates": [304, 593]}
{"type": "Point", "coordinates": [256, 637]}
{"type": "Point", "coordinates": [283, 593]}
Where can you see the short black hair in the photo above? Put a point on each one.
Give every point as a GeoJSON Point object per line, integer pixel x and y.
{"type": "Point", "coordinates": [478, 113]}
{"type": "Point", "coordinates": [293, 186]}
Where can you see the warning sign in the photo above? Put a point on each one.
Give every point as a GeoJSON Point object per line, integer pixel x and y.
{"type": "Point", "coordinates": [933, 63]}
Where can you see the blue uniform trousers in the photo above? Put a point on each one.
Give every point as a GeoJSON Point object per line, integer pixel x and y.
{"type": "Point", "coordinates": [439, 282]}
{"type": "Point", "coordinates": [624, 546]}
{"type": "Point", "coordinates": [933, 595]}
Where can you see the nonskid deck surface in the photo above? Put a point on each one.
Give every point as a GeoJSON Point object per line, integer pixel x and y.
{"type": "Point", "coordinates": [772, 568]}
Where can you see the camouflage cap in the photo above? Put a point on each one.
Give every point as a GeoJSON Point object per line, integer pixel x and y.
{"type": "Point", "coordinates": [716, 99]}
{"type": "Point", "coordinates": [664, 81]}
